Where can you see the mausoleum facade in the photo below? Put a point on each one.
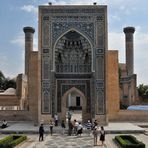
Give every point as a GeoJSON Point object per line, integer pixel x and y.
{"type": "Point", "coordinates": [73, 68]}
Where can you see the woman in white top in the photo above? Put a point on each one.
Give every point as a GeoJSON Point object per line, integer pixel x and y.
{"type": "Point", "coordinates": [80, 129]}
{"type": "Point", "coordinates": [95, 134]}
{"type": "Point", "coordinates": [4, 124]}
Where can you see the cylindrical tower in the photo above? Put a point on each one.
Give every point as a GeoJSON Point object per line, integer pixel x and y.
{"type": "Point", "coordinates": [129, 31]}
{"type": "Point", "coordinates": [29, 31]}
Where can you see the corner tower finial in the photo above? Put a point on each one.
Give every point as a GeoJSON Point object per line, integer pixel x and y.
{"type": "Point", "coordinates": [129, 30]}
{"type": "Point", "coordinates": [28, 29]}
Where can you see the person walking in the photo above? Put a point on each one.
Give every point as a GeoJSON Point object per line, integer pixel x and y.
{"type": "Point", "coordinates": [102, 135]}
{"type": "Point", "coordinates": [41, 133]}
{"type": "Point", "coordinates": [95, 134]}
{"type": "Point", "coordinates": [51, 124]}
{"type": "Point", "coordinates": [75, 126]}
{"type": "Point", "coordinates": [69, 115]}
{"type": "Point", "coordinates": [56, 119]}
{"type": "Point", "coordinates": [63, 127]}
{"type": "Point", "coordinates": [88, 126]}
{"type": "Point", "coordinates": [95, 124]}
{"type": "Point", "coordinates": [70, 128]}
{"type": "Point", "coordinates": [79, 129]}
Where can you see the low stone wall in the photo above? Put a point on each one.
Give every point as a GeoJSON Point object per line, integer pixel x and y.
{"type": "Point", "coordinates": [9, 100]}
{"type": "Point", "coordinates": [132, 115]}
{"type": "Point", "coordinates": [15, 115]}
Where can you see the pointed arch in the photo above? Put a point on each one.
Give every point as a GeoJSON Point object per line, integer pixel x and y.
{"type": "Point", "coordinates": [79, 32]}
{"type": "Point", "coordinates": [72, 90]}
{"type": "Point", "coordinates": [64, 100]}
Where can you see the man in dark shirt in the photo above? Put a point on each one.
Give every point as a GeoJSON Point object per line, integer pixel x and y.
{"type": "Point", "coordinates": [41, 132]}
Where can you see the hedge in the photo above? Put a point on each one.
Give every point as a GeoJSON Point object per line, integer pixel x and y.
{"type": "Point", "coordinates": [128, 141]}
{"type": "Point", "coordinates": [11, 141]}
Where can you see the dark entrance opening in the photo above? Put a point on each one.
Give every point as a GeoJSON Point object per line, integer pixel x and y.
{"type": "Point", "coordinates": [78, 101]}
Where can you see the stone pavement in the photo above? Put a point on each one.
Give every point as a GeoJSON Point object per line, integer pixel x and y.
{"type": "Point", "coordinates": [29, 128]}
{"type": "Point", "coordinates": [64, 141]}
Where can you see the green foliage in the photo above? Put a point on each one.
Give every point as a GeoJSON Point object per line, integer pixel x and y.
{"type": "Point", "coordinates": [2, 79]}
{"type": "Point", "coordinates": [11, 141]}
{"type": "Point", "coordinates": [9, 83]}
{"type": "Point", "coordinates": [6, 83]}
{"type": "Point", "coordinates": [123, 106]}
{"type": "Point", "coordinates": [143, 90]}
{"type": "Point", "coordinates": [128, 141]}
{"type": "Point", "coordinates": [17, 140]}
{"type": "Point", "coordinates": [4, 143]}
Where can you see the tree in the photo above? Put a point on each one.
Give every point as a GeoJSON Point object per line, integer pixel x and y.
{"type": "Point", "coordinates": [9, 83]}
{"type": "Point", "coordinates": [143, 90]}
{"type": "Point", "coordinates": [2, 80]}
{"type": "Point", "coordinates": [6, 83]}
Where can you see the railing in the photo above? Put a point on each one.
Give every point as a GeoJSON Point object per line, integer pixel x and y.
{"type": "Point", "coordinates": [75, 68]}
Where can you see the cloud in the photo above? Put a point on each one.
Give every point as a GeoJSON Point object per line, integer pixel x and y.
{"type": "Point", "coordinates": [116, 42]}
{"type": "Point", "coordinates": [114, 18]}
{"type": "Point", "coordinates": [30, 8]}
{"type": "Point", "coordinates": [4, 61]}
{"type": "Point", "coordinates": [4, 65]}
{"type": "Point", "coordinates": [141, 60]}
{"type": "Point", "coordinates": [19, 40]}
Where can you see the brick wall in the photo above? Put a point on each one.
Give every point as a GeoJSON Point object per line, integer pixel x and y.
{"type": "Point", "coordinates": [15, 115]}
{"type": "Point", "coordinates": [112, 84]}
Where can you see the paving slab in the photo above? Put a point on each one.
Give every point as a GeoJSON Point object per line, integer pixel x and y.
{"type": "Point", "coordinates": [123, 128]}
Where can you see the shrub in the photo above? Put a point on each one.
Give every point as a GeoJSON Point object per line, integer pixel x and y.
{"type": "Point", "coordinates": [11, 141]}
{"type": "Point", "coordinates": [18, 140]}
{"type": "Point", "coordinates": [4, 143]}
{"type": "Point", "coordinates": [128, 141]}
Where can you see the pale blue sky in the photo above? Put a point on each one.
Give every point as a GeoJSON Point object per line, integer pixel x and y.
{"type": "Point", "coordinates": [15, 14]}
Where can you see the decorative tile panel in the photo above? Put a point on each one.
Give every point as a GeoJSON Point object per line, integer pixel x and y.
{"type": "Point", "coordinates": [100, 102]}
{"type": "Point", "coordinates": [72, 11]}
{"type": "Point", "coordinates": [99, 51]}
{"type": "Point", "coordinates": [46, 96]}
{"type": "Point", "coordinates": [58, 28]}
{"type": "Point", "coordinates": [99, 84]}
{"type": "Point", "coordinates": [45, 31]}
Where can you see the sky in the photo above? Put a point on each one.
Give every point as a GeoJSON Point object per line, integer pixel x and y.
{"type": "Point", "coordinates": [16, 14]}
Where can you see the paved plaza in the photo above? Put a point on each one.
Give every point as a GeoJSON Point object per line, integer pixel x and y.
{"type": "Point", "coordinates": [64, 141]}
{"type": "Point", "coordinates": [60, 141]}
{"type": "Point", "coordinates": [111, 128]}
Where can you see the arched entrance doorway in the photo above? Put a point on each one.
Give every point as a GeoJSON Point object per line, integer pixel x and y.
{"type": "Point", "coordinates": [67, 103]}
{"type": "Point", "coordinates": [73, 71]}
